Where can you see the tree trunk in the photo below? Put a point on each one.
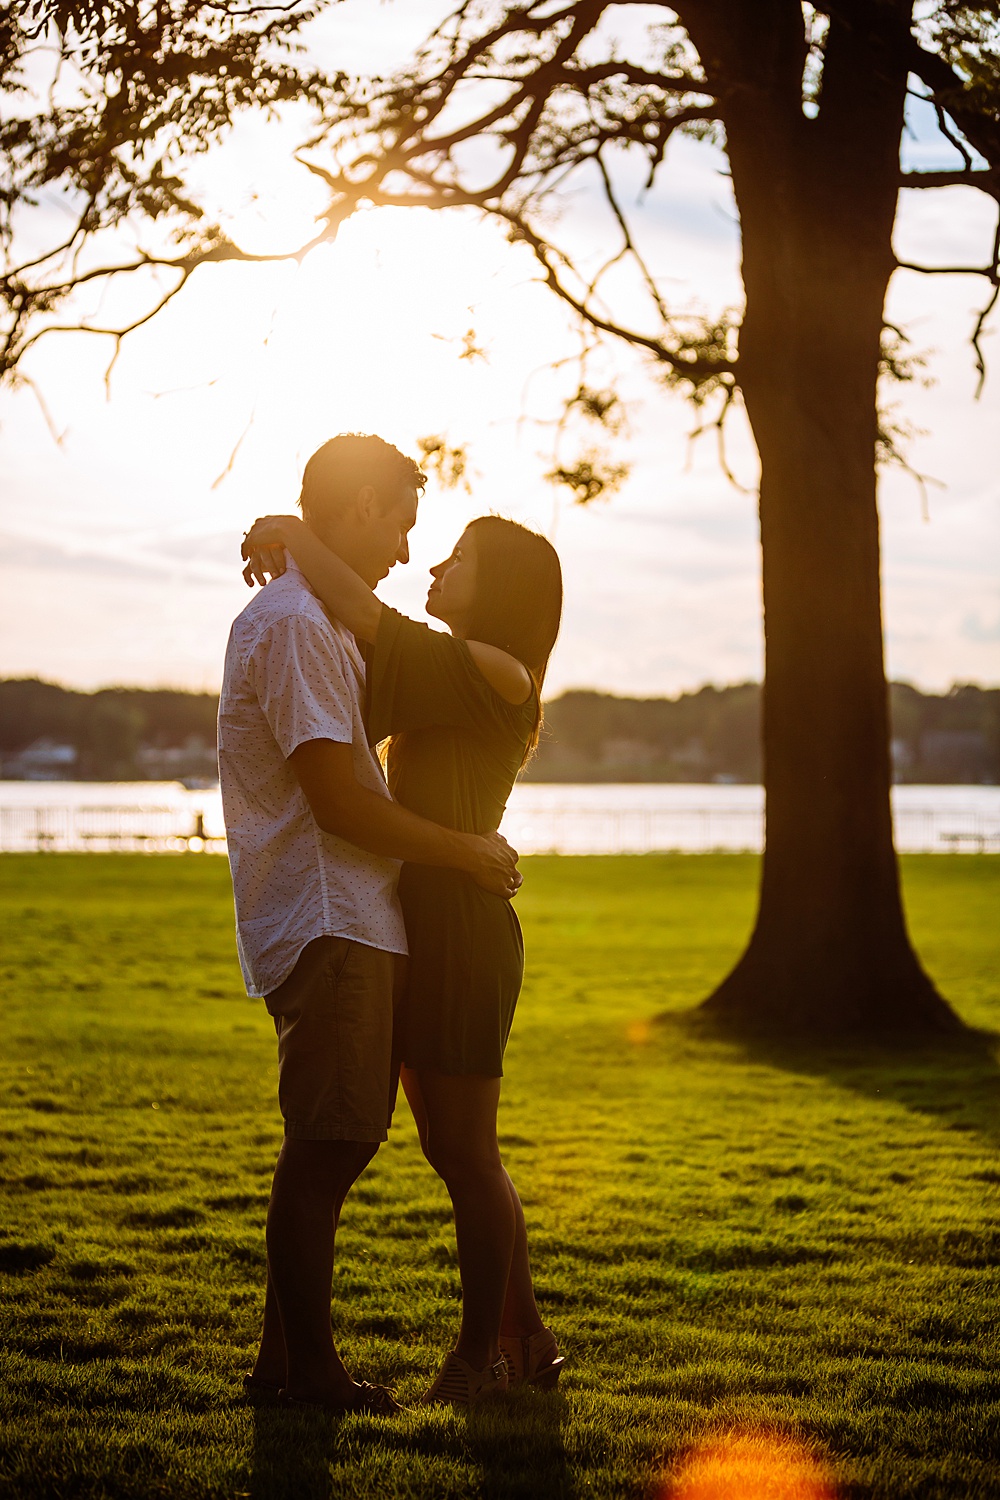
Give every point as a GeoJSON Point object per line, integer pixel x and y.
{"type": "Point", "coordinates": [830, 951]}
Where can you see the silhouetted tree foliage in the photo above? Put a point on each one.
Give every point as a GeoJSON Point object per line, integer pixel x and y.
{"type": "Point", "coordinates": [108, 102]}
{"type": "Point", "coordinates": [503, 107]}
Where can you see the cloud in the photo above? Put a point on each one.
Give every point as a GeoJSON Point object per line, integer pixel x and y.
{"type": "Point", "coordinates": [205, 560]}
{"type": "Point", "coordinates": [973, 629]}
{"type": "Point", "coordinates": [46, 557]}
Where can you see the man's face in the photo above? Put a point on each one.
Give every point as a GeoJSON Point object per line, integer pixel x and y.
{"type": "Point", "coordinates": [387, 532]}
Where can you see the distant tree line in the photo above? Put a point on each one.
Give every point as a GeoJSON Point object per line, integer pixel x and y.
{"type": "Point", "coordinates": [711, 734]}
{"type": "Point", "coordinates": [714, 734]}
{"type": "Point", "coordinates": [116, 732]}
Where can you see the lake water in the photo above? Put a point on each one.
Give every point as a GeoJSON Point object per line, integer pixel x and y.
{"type": "Point", "coordinates": [565, 819]}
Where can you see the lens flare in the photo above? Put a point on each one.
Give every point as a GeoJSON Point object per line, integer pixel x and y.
{"type": "Point", "coordinates": [748, 1466]}
{"type": "Point", "coordinates": [638, 1032]}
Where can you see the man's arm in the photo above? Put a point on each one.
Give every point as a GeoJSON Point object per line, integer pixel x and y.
{"type": "Point", "coordinates": [341, 806]}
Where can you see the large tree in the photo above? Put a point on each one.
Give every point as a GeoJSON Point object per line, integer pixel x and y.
{"type": "Point", "coordinates": [500, 108]}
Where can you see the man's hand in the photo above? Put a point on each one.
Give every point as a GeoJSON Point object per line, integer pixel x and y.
{"type": "Point", "coordinates": [495, 867]}
{"type": "Point", "coordinates": [325, 772]}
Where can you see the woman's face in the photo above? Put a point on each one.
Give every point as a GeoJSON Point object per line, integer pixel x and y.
{"type": "Point", "coordinates": [452, 594]}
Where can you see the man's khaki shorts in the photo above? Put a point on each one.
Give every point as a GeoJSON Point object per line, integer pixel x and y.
{"type": "Point", "coordinates": [337, 1074]}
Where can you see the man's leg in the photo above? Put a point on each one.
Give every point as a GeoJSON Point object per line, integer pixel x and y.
{"type": "Point", "coordinates": [272, 1360]}
{"type": "Point", "coordinates": [311, 1181]}
{"type": "Point", "coordinates": [271, 1366]}
{"type": "Point", "coordinates": [333, 1016]}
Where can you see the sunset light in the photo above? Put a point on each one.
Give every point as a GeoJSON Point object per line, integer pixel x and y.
{"type": "Point", "coordinates": [749, 1466]}
{"type": "Point", "coordinates": [499, 749]}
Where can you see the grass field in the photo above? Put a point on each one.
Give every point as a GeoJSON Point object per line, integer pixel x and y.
{"type": "Point", "coordinates": [758, 1247]}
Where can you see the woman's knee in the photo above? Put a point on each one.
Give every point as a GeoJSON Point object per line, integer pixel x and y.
{"type": "Point", "coordinates": [457, 1161]}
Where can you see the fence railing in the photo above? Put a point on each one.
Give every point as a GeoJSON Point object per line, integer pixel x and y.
{"type": "Point", "coordinates": [590, 830]}
{"type": "Point", "coordinates": [153, 830]}
{"type": "Point", "coordinates": [564, 829]}
{"type": "Point", "coordinates": [632, 830]}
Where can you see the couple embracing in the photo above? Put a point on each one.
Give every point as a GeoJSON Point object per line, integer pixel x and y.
{"type": "Point", "coordinates": [374, 919]}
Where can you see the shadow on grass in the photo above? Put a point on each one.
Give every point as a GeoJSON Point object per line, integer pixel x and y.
{"type": "Point", "coordinates": [953, 1080]}
{"type": "Point", "coordinates": [292, 1455]}
{"type": "Point", "coordinates": [512, 1450]}
{"type": "Point", "coordinates": [518, 1447]}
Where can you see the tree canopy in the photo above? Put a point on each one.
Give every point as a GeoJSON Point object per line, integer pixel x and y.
{"type": "Point", "coordinates": [106, 105]}
{"type": "Point", "coordinates": [109, 104]}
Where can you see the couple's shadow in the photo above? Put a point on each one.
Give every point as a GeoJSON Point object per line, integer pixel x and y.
{"type": "Point", "coordinates": [510, 1450]}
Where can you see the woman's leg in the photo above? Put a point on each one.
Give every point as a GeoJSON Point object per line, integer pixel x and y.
{"type": "Point", "coordinates": [457, 1119]}
{"type": "Point", "coordinates": [410, 1079]}
{"type": "Point", "coordinates": [521, 1317]}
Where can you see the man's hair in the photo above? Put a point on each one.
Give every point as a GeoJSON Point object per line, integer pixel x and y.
{"type": "Point", "coordinates": [344, 465]}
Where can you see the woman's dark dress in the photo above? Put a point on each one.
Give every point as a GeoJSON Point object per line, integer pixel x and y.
{"type": "Point", "coordinates": [457, 747]}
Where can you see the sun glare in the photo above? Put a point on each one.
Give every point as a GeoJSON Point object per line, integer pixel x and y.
{"type": "Point", "coordinates": [638, 1032]}
{"type": "Point", "coordinates": [406, 327]}
{"type": "Point", "coordinates": [384, 313]}
{"type": "Point", "coordinates": [748, 1466]}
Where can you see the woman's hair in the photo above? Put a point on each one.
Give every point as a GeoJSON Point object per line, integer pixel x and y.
{"type": "Point", "coordinates": [518, 600]}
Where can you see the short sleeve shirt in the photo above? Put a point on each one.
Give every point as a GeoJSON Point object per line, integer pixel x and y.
{"type": "Point", "coordinates": [291, 675]}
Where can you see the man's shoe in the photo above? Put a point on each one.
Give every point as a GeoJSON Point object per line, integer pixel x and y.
{"type": "Point", "coordinates": [372, 1400]}
{"type": "Point", "coordinates": [259, 1392]}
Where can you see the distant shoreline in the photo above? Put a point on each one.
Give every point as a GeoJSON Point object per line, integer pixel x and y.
{"type": "Point", "coordinates": [708, 737]}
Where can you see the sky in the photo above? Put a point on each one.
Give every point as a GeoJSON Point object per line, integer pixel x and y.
{"type": "Point", "coordinates": [119, 543]}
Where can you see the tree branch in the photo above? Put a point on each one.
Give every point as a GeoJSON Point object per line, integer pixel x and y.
{"type": "Point", "coordinates": [948, 89]}
{"type": "Point", "coordinates": [718, 425]}
{"type": "Point", "coordinates": [13, 349]}
{"type": "Point", "coordinates": [984, 313]}
{"type": "Point", "coordinates": [628, 245]}
{"type": "Point", "coordinates": [990, 272]}
{"type": "Point", "coordinates": [986, 179]}
{"type": "Point", "coordinates": [697, 371]}
{"type": "Point", "coordinates": [680, 83]}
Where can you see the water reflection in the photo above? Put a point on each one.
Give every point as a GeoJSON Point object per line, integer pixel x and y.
{"type": "Point", "coordinates": [541, 818]}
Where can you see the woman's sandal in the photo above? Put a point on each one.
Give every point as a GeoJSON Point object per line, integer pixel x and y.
{"type": "Point", "coordinates": [371, 1400]}
{"type": "Point", "coordinates": [458, 1384]}
{"type": "Point", "coordinates": [534, 1360]}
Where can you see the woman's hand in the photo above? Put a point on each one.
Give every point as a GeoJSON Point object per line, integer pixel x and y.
{"type": "Point", "coordinates": [341, 591]}
{"type": "Point", "coordinates": [264, 547]}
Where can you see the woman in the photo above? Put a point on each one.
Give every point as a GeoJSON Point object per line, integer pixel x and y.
{"type": "Point", "coordinates": [461, 713]}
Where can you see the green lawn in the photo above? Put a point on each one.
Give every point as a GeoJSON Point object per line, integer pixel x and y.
{"type": "Point", "coordinates": [726, 1239]}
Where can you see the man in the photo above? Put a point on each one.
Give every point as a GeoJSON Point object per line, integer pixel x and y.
{"type": "Point", "coordinates": [314, 845]}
